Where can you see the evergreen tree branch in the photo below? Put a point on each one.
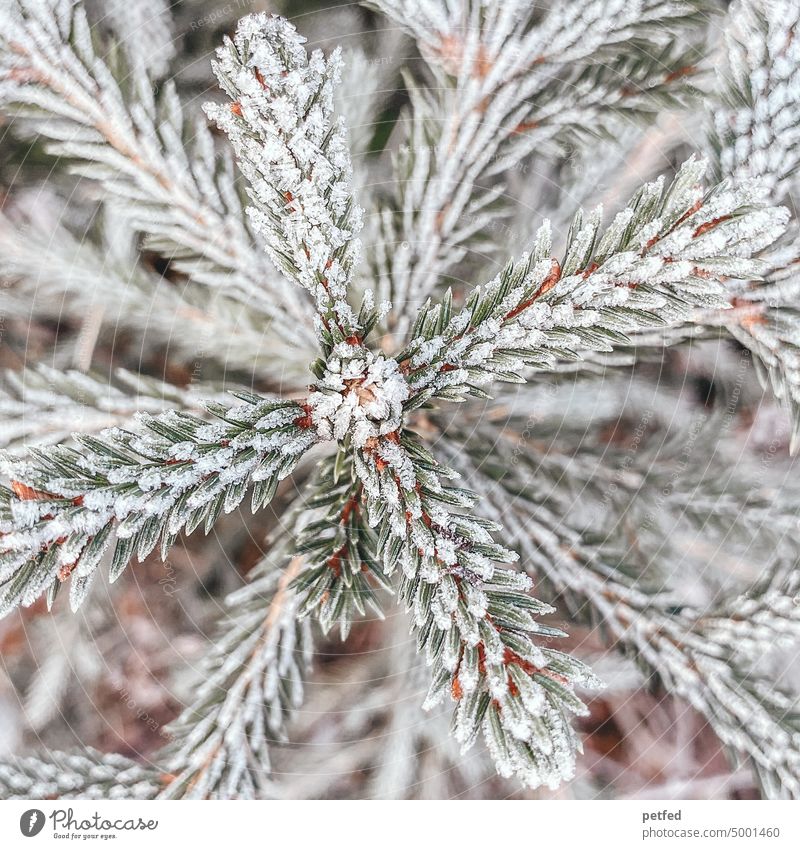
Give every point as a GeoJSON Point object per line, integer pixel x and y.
{"type": "Point", "coordinates": [253, 678]}
{"type": "Point", "coordinates": [754, 129]}
{"type": "Point", "coordinates": [90, 775]}
{"type": "Point", "coordinates": [708, 658]}
{"type": "Point", "coordinates": [44, 406]}
{"type": "Point", "coordinates": [640, 82]}
{"type": "Point", "coordinates": [116, 132]}
{"type": "Point", "coordinates": [754, 132]}
{"type": "Point", "coordinates": [771, 332]}
{"type": "Point", "coordinates": [512, 79]}
{"type": "Point", "coordinates": [60, 277]}
{"type": "Point", "coordinates": [64, 505]}
{"type": "Point", "coordinates": [668, 253]}
{"type": "Point", "coordinates": [294, 155]}
{"type": "Point", "coordinates": [674, 259]}
{"type": "Point", "coordinates": [340, 549]}
{"type": "Point", "coordinates": [253, 681]}
{"type": "Point", "coordinates": [473, 617]}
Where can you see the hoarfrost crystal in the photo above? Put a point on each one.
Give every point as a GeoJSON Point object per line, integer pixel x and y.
{"type": "Point", "coordinates": [361, 394]}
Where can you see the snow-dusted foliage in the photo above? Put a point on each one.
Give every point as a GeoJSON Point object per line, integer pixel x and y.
{"type": "Point", "coordinates": [670, 251]}
{"type": "Point", "coordinates": [756, 126]}
{"type": "Point", "coordinates": [474, 618]}
{"type": "Point", "coordinates": [43, 405]}
{"type": "Point", "coordinates": [254, 679]}
{"type": "Point", "coordinates": [754, 133]}
{"type": "Point", "coordinates": [507, 96]}
{"type": "Point", "coordinates": [360, 395]}
{"type": "Point", "coordinates": [89, 775]}
{"type": "Point", "coordinates": [132, 142]}
{"type": "Point", "coordinates": [511, 79]}
{"type": "Point", "coordinates": [63, 507]}
{"type": "Point", "coordinates": [294, 154]}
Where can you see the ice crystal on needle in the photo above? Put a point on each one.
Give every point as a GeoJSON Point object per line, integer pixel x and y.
{"type": "Point", "coordinates": [360, 394]}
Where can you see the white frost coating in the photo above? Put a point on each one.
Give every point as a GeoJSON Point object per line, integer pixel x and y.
{"type": "Point", "coordinates": [143, 486]}
{"type": "Point", "coordinates": [756, 126]}
{"type": "Point", "coordinates": [457, 585]}
{"type": "Point", "coordinates": [361, 394]}
{"type": "Point", "coordinates": [650, 264]}
{"type": "Point", "coordinates": [132, 143]}
{"type": "Point", "coordinates": [253, 679]}
{"type": "Point", "coordinates": [474, 619]}
{"type": "Point", "coordinates": [754, 132]}
{"type": "Point", "coordinates": [497, 69]}
{"type": "Point", "coordinates": [294, 154]}
{"type": "Point", "coordinates": [88, 775]}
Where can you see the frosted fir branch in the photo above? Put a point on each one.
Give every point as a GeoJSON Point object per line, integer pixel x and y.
{"type": "Point", "coordinates": [473, 617]}
{"type": "Point", "coordinates": [451, 35]}
{"type": "Point", "coordinates": [708, 658]}
{"type": "Point", "coordinates": [339, 549]}
{"type": "Point", "coordinates": [766, 321]}
{"type": "Point", "coordinates": [633, 486]}
{"type": "Point", "coordinates": [252, 679]}
{"type": "Point", "coordinates": [602, 100]}
{"type": "Point", "coordinates": [668, 253]}
{"type": "Point", "coordinates": [43, 406]}
{"type": "Point", "coordinates": [294, 155]}
{"type": "Point", "coordinates": [754, 131]}
{"type": "Point", "coordinates": [772, 334]}
{"type": "Point", "coordinates": [703, 659]}
{"type": "Point", "coordinates": [755, 123]}
{"type": "Point", "coordinates": [55, 275]}
{"type": "Point", "coordinates": [252, 682]}
{"type": "Point", "coordinates": [513, 79]}
{"type": "Point", "coordinates": [89, 775]}
{"type": "Point", "coordinates": [65, 505]}
{"type": "Point", "coordinates": [475, 620]}
{"type": "Point", "coordinates": [407, 730]}
{"type": "Point", "coordinates": [55, 85]}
